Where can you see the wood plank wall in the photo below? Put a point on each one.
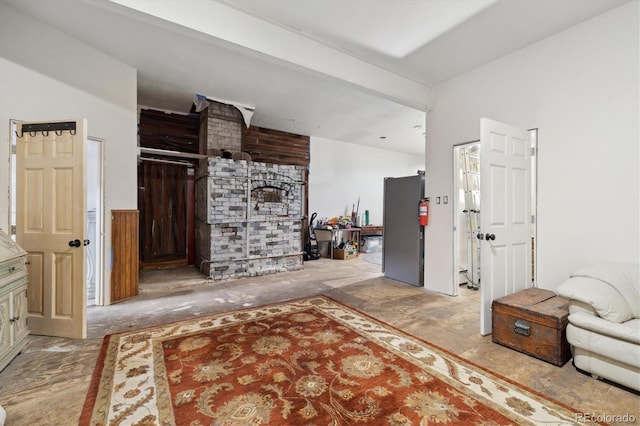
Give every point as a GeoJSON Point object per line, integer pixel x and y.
{"type": "Point", "coordinates": [173, 132]}
{"type": "Point", "coordinates": [162, 201]}
{"type": "Point", "coordinates": [176, 132]}
{"type": "Point", "coordinates": [124, 242]}
{"type": "Point", "coordinates": [164, 207]}
{"type": "Point", "coordinates": [276, 147]}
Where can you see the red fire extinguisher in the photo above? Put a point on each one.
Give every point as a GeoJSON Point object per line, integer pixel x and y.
{"type": "Point", "coordinates": [423, 212]}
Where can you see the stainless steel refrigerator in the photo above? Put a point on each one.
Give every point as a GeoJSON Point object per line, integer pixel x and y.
{"type": "Point", "coordinates": [403, 240]}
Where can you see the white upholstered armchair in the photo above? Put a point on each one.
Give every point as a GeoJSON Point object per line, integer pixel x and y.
{"type": "Point", "coordinates": [604, 321]}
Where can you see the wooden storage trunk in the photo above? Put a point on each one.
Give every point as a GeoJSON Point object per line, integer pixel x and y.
{"type": "Point", "coordinates": [533, 321]}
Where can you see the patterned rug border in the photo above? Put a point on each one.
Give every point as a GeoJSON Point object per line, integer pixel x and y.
{"type": "Point", "coordinates": [465, 360]}
{"type": "Point", "coordinates": [97, 375]}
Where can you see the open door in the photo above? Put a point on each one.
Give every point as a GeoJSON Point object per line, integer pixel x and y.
{"type": "Point", "coordinates": [50, 224]}
{"type": "Point", "coordinates": [505, 230]}
{"type": "Point", "coordinates": [403, 239]}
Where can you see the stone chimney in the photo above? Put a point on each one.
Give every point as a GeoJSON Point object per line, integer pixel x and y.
{"type": "Point", "coordinates": [221, 128]}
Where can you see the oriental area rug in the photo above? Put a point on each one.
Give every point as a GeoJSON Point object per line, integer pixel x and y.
{"type": "Point", "coordinates": [311, 361]}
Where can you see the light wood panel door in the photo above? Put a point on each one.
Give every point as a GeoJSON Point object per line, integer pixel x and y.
{"type": "Point", "coordinates": [50, 224]}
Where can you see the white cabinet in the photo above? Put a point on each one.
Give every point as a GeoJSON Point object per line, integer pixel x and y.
{"type": "Point", "coordinates": [13, 299]}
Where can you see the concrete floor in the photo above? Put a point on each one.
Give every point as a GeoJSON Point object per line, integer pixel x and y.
{"type": "Point", "coordinates": [47, 383]}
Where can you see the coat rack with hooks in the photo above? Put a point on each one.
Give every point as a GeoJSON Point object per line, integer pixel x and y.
{"type": "Point", "coordinates": [45, 128]}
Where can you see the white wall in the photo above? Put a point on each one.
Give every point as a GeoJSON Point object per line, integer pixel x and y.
{"type": "Point", "coordinates": [341, 172]}
{"type": "Point", "coordinates": [45, 75]}
{"type": "Point", "coordinates": [581, 89]}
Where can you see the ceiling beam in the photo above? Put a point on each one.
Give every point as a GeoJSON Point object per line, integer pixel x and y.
{"type": "Point", "coordinates": [253, 36]}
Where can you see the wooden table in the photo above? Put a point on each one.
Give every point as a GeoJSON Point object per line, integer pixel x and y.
{"type": "Point", "coordinates": [334, 237]}
{"type": "Point", "coordinates": [369, 230]}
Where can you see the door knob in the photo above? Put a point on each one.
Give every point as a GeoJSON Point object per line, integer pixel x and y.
{"type": "Point", "coordinates": [74, 243]}
{"type": "Point", "coordinates": [490, 237]}
{"type": "Point", "coordinates": [480, 236]}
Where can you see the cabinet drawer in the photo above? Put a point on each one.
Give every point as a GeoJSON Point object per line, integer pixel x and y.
{"type": "Point", "coordinates": [12, 286]}
{"type": "Point", "coordinates": [19, 284]}
{"type": "Point", "coordinates": [11, 269]}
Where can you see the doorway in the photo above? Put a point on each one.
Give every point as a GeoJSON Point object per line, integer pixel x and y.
{"type": "Point", "coordinates": [467, 214]}
{"type": "Point", "coordinates": [467, 272]}
{"type": "Point", "coordinates": [95, 229]}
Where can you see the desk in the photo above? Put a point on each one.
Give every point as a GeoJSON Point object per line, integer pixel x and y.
{"type": "Point", "coordinates": [334, 237]}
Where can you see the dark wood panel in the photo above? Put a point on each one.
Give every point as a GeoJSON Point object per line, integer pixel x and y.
{"type": "Point", "coordinates": [277, 159]}
{"type": "Point", "coordinates": [124, 241]}
{"type": "Point", "coordinates": [162, 201]}
{"type": "Point", "coordinates": [169, 131]}
{"type": "Point", "coordinates": [276, 147]}
{"type": "Point", "coordinates": [191, 216]}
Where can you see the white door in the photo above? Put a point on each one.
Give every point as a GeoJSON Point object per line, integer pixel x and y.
{"type": "Point", "coordinates": [505, 214]}
{"type": "Point", "coordinates": [50, 224]}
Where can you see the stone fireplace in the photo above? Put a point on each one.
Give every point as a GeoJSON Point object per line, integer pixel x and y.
{"type": "Point", "coordinates": [248, 214]}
